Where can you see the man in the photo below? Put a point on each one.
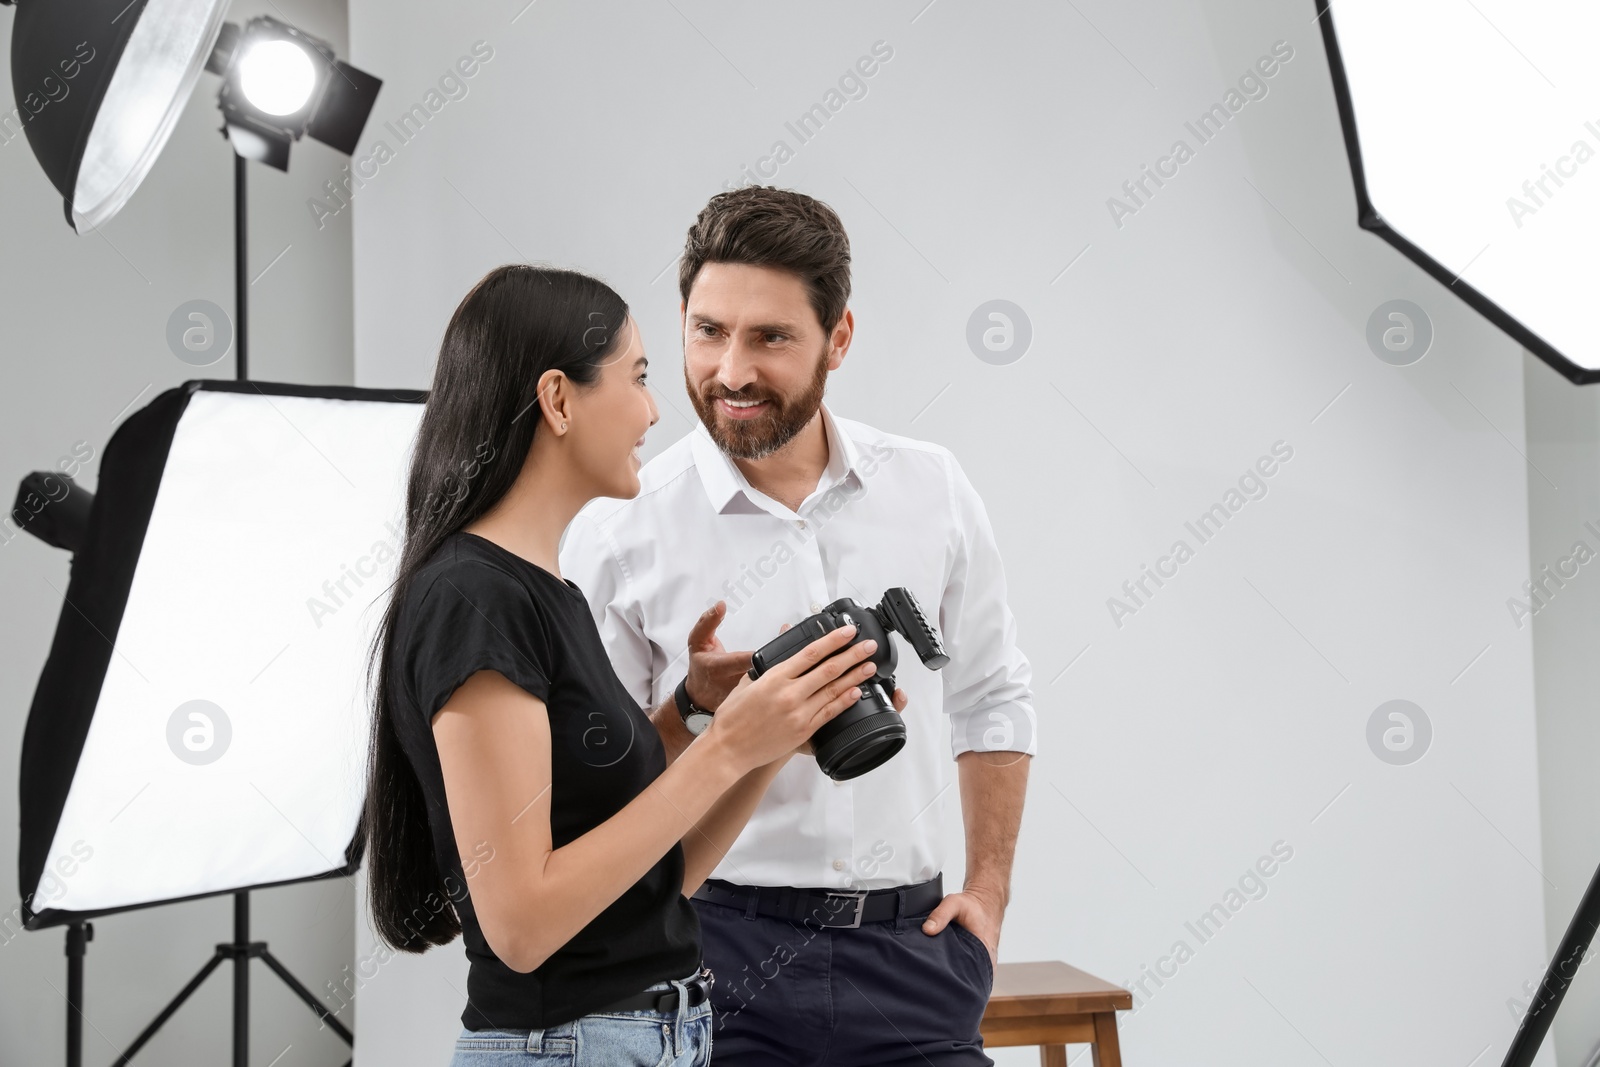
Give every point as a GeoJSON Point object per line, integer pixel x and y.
{"type": "Point", "coordinates": [826, 925]}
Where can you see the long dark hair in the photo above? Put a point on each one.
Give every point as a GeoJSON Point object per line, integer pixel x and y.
{"type": "Point", "coordinates": [517, 322]}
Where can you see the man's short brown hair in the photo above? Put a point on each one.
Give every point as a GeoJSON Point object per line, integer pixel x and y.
{"type": "Point", "coordinates": [770, 227]}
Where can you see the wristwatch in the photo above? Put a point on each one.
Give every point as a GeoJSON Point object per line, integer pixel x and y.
{"type": "Point", "coordinates": [695, 718]}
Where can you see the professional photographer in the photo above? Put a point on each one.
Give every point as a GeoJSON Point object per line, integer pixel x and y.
{"type": "Point", "coordinates": [516, 796]}
{"type": "Point", "coordinates": [827, 922]}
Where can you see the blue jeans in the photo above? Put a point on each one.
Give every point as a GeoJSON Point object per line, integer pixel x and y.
{"type": "Point", "coordinates": [679, 1038]}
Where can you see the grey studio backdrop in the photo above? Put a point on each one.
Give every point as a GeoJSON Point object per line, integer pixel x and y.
{"type": "Point", "coordinates": [1177, 335]}
{"type": "Point", "coordinates": [1179, 338]}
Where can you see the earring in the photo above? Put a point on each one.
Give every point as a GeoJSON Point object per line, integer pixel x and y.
{"type": "Point", "coordinates": [563, 426]}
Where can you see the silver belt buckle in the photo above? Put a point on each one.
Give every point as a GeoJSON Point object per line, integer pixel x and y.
{"type": "Point", "coordinates": [860, 897]}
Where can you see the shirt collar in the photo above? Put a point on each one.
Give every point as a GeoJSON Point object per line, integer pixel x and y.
{"type": "Point", "coordinates": [724, 481]}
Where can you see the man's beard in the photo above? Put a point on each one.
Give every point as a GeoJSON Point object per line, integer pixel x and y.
{"type": "Point", "coordinates": [763, 435]}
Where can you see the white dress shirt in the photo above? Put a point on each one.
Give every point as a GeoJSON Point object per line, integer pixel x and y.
{"type": "Point", "coordinates": [888, 511]}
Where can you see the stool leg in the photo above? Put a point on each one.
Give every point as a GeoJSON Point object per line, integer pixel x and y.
{"type": "Point", "coordinates": [1107, 1053]}
{"type": "Point", "coordinates": [1052, 1056]}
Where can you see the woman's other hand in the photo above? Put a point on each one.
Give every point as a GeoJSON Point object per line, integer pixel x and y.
{"type": "Point", "coordinates": [768, 718]}
{"type": "Point", "coordinates": [900, 699]}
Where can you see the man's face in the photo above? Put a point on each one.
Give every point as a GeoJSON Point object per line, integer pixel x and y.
{"type": "Point", "coordinates": [750, 334]}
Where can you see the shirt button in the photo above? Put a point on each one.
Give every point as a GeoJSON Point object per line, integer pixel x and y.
{"type": "Point", "coordinates": [815, 607]}
{"type": "Point", "coordinates": [838, 865]}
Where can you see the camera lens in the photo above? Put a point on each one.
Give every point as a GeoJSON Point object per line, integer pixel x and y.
{"type": "Point", "coordinates": [862, 737]}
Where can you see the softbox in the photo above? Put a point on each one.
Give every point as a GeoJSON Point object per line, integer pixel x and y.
{"type": "Point", "coordinates": [1473, 131]}
{"type": "Point", "coordinates": [200, 725]}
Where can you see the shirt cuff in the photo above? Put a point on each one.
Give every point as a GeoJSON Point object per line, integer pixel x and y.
{"type": "Point", "coordinates": [1009, 726]}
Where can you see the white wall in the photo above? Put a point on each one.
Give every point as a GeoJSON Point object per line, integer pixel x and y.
{"type": "Point", "coordinates": [1226, 315]}
{"type": "Point", "coordinates": [83, 326]}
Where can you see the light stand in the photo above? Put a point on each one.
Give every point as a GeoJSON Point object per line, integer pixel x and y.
{"type": "Point", "coordinates": [241, 949]}
{"type": "Point", "coordinates": [241, 284]}
{"type": "Point", "coordinates": [1557, 977]}
{"type": "Point", "coordinates": [278, 83]}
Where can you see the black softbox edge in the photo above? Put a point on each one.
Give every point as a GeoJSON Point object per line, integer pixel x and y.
{"type": "Point", "coordinates": [1369, 219]}
{"type": "Point", "coordinates": [69, 686]}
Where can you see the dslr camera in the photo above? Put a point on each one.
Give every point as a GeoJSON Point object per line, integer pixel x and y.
{"type": "Point", "coordinates": [870, 731]}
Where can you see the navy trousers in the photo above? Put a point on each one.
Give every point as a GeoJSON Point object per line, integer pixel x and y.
{"type": "Point", "coordinates": [797, 994]}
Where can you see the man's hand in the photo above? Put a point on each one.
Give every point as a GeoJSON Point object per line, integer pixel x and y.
{"type": "Point", "coordinates": [713, 670]}
{"type": "Point", "coordinates": [713, 674]}
{"type": "Point", "coordinates": [978, 910]}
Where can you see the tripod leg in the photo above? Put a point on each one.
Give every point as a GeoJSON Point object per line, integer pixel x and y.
{"type": "Point", "coordinates": [166, 1013]}
{"type": "Point", "coordinates": [306, 995]}
{"type": "Point", "coordinates": [240, 951]}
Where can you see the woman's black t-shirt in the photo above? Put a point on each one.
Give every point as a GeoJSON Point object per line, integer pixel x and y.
{"type": "Point", "coordinates": [475, 605]}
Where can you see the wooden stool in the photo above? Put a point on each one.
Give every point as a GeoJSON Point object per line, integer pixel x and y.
{"type": "Point", "coordinates": [1052, 1005]}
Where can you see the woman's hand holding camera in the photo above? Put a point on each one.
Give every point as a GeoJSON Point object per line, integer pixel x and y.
{"type": "Point", "coordinates": [898, 699]}
{"type": "Point", "coordinates": [771, 717]}
{"type": "Point", "coordinates": [714, 672]}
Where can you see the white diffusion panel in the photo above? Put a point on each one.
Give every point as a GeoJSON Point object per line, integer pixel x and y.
{"type": "Point", "coordinates": [1480, 137]}
{"type": "Point", "coordinates": [228, 747]}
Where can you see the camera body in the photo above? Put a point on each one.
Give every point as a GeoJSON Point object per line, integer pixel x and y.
{"type": "Point", "coordinates": [869, 732]}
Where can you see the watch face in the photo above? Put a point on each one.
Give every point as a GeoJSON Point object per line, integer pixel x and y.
{"type": "Point", "coordinates": [697, 722]}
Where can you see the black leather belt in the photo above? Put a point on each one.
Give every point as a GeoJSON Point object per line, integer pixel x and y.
{"type": "Point", "coordinates": [836, 908]}
{"type": "Point", "coordinates": [666, 1000]}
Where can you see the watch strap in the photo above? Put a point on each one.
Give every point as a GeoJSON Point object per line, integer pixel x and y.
{"type": "Point", "coordinates": [686, 707]}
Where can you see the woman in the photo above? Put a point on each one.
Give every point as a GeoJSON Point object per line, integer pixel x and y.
{"type": "Point", "coordinates": [517, 795]}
